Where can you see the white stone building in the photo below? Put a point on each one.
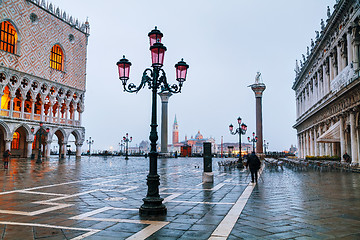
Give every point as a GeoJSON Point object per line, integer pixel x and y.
{"type": "Point", "coordinates": [327, 86]}
{"type": "Point", "coordinates": [42, 77]}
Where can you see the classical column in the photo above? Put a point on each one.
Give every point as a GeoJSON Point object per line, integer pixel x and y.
{"type": "Point", "coordinates": [42, 112]}
{"type": "Point", "coordinates": [22, 107]}
{"type": "Point", "coordinates": [331, 66]}
{"type": "Point", "coordinates": [354, 140]}
{"type": "Point", "coordinates": [8, 144]}
{"type": "Point", "coordinates": [58, 112]}
{"type": "Point", "coordinates": [306, 152]}
{"type": "Point", "coordinates": [349, 47]}
{"type": "Point", "coordinates": [32, 109]}
{"type": "Point", "coordinates": [356, 56]}
{"type": "Point", "coordinates": [78, 150]}
{"type": "Point", "coordinates": [321, 145]}
{"type": "Point", "coordinates": [47, 149]}
{"type": "Point", "coordinates": [63, 149]}
{"type": "Point", "coordinates": [342, 138]}
{"type": "Point", "coordinates": [258, 89]}
{"type": "Point", "coordinates": [311, 146]}
{"type": "Point", "coordinates": [66, 114]}
{"type": "Point", "coordinates": [303, 140]}
{"type": "Point", "coordinates": [340, 56]}
{"type": "Point", "coordinates": [11, 106]}
{"type": "Point", "coordinates": [299, 143]}
{"type": "Point", "coordinates": [29, 148]}
{"type": "Point", "coordinates": [164, 120]}
{"type": "Point", "coordinates": [51, 112]}
{"type": "Point", "coordinates": [316, 145]}
{"type": "Point", "coordinates": [325, 78]}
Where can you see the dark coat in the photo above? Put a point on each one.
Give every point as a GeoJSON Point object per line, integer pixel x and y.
{"type": "Point", "coordinates": [253, 162]}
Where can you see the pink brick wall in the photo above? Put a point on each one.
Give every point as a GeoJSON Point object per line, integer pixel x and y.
{"type": "Point", "coordinates": [36, 41]}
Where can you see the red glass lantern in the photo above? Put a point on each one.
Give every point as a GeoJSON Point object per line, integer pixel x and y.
{"type": "Point", "coordinates": [155, 36]}
{"type": "Point", "coordinates": [130, 138]}
{"type": "Point", "coordinates": [32, 129]}
{"type": "Point", "coordinates": [124, 138]}
{"type": "Point", "coordinates": [249, 139]}
{"type": "Point", "coordinates": [124, 69]}
{"type": "Point", "coordinates": [256, 138]}
{"type": "Point", "coordinates": [181, 70]}
{"type": "Point", "coordinates": [244, 128]}
{"type": "Point", "coordinates": [253, 134]}
{"type": "Point", "coordinates": [231, 127]}
{"type": "Point", "coordinates": [157, 54]}
{"type": "Point", "coordinates": [239, 120]}
{"type": "Point", "coordinates": [41, 124]}
{"type": "Point", "coordinates": [47, 130]}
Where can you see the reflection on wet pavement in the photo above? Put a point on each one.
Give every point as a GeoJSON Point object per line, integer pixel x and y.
{"type": "Point", "coordinates": [99, 197]}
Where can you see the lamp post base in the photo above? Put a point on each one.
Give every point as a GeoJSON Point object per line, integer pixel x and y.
{"type": "Point", "coordinates": [240, 164]}
{"type": "Point", "coordinates": [153, 207]}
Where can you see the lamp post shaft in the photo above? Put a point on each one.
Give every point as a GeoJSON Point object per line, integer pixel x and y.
{"type": "Point", "coordinates": [240, 159]}
{"type": "Point", "coordinates": [39, 154]}
{"type": "Point", "coordinates": [153, 202]}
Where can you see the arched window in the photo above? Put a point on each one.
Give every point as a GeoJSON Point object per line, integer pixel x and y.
{"type": "Point", "coordinates": [8, 37]}
{"type": "Point", "coordinates": [16, 141]}
{"type": "Point", "coordinates": [56, 58]}
{"type": "Point", "coordinates": [5, 99]}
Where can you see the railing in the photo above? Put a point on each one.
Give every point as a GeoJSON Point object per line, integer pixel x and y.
{"type": "Point", "coordinates": [16, 114]}
{"type": "Point", "coordinates": [5, 113]}
{"type": "Point", "coordinates": [27, 115]}
{"type": "Point", "coordinates": [37, 117]}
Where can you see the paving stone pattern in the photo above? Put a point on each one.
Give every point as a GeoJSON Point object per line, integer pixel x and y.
{"type": "Point", "coordinates": [99, 197]}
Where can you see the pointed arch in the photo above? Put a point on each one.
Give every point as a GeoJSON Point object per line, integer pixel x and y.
{"type": "Point", "coordinates": [77, 134]}
{"type": "Point", "coordinates": [6, 129]}
{"type": "Point", "coordinates": [27, 130]}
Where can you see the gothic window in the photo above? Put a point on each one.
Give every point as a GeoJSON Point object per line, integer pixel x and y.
{"type": "Point", "coordinates": [56, 58]}
{"type": "Point", "coordinates": [16, 140]}
{"type": "Point", "coordinates": [17, 101]}
{"type": "Point", "coordinates": [8, 37]}
{"type": "Point", "coordinates": [5, 99]}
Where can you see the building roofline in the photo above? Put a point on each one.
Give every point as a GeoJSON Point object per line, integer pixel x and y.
{"type": "Point", "coordinates": [62, 15]}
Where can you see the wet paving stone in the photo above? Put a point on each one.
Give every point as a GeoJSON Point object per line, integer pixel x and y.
{"type": "Point", "coordinates": [99, 198]}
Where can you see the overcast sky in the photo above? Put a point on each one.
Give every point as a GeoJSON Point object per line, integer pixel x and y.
{"type": "Point", "coordinates": [225, 43]}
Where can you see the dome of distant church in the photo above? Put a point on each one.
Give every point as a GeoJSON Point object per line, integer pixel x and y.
{"type": "Point", "coordinates": [199, 135]}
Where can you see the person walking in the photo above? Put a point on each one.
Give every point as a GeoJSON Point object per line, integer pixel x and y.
{"type": "Point", "coordinates": [347, 158]}
{"type": "Point", "coordinates": [6, 157]}
{"type": "Point", "coordinates": [253, 163]}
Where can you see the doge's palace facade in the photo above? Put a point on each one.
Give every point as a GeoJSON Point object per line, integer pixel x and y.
{"type": "Point", "coordinates": [327, 86]}
{"type": "Point", "coordinates": [42, 77]}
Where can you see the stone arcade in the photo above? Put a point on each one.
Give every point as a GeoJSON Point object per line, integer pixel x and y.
{"type": "Point", "coordinates": [42, 77]}
{"type": "Point", "coordinates": [327, 86]}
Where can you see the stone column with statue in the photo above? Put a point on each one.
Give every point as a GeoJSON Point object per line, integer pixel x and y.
{"type": "Point", "coordinates": [258, 87]}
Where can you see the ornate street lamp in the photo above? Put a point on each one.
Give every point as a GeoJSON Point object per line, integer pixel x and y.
{"type": "Point", "coordinates": [241, 130]}
{"type": "Point", "coordinates": [253, 140]}
{"type": "Point", "coordinates": [126, 140]}
{"type": "Point", "coordinates": [38, 160]}
{"type": "Point", "coordinates": [90, 142]}
{"type": "Point", "coordinates": [121, 145]}
{"type": "Point", "coordinates": [156, 79]}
